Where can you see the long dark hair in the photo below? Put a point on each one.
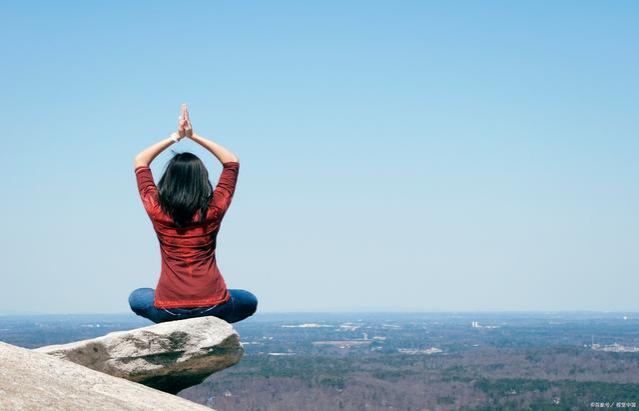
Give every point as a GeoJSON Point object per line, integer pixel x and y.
{"type": "Point", "coordinates": [185, 188]}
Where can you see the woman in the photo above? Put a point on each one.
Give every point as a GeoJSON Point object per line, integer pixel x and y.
{"type": "Point", "coordinates": [186, 214]}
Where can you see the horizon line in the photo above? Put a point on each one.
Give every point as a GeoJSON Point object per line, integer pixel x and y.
{"type": "Point", "coordinates": [6, 314]}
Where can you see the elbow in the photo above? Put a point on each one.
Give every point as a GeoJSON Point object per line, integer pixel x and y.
{"type": "Point", "coordinates": [231, 159]}
{"type": "Point", "coordinates": [138, 161]}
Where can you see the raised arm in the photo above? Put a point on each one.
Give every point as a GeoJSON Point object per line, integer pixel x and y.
{"type": "Point", "coordinates": [147, 155]}
{"type": "Point", "coordinates": [221, 153]}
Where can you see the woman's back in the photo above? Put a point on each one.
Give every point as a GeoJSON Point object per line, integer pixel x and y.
{"type": "Point", "coordinates": [189, 275]}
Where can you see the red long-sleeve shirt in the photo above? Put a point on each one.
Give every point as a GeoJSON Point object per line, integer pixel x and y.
{"type": "Point", "coordinates": [189, 276]}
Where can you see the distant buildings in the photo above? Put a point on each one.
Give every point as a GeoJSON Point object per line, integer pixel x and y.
{"type": "Point", "coordinates": [343, 343]}
{"type": "Point", "coordinates": [349, 327]}
{"type": "Point", "coordinates": [413, 351]}
{"type": "Point", "coordinates": [475, 324]}
{"type": "Point", "coordinates": [613, 348]}
{"type": "Point", "coordinates": [307, 325]}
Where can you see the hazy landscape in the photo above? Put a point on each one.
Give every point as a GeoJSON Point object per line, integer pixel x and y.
{"type": "Point", "coordinates": [392, 361]}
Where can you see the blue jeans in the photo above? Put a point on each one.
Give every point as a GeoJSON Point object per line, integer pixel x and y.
{"type": "Point", "coordinates": [241, 305]}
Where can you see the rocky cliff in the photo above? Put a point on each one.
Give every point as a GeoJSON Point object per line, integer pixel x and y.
{"type": "Point", "coordinates": [31, 380]}
{"type": "Point", "coordinates": [168, 356]}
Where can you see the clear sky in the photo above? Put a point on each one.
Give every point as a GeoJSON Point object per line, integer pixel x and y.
{"type": "Point", "coordinates": [395, 155]}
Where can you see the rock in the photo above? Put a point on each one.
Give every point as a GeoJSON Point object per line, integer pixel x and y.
{"type": "Point", "coordinates": [168, 356]}
{"type": "Point", "coordinates": [34, 381]}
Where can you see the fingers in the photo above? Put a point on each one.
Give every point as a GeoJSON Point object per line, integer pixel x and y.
{"type": "Point", "coordinates": [184, 122]}
{"type": "Point", "coordinates": [185, 112]}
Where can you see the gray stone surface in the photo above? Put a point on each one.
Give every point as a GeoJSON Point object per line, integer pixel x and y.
{"type": "Point", "coordinates": [169, 356]}
{"type": "Point", "coordinates": [34, 381]}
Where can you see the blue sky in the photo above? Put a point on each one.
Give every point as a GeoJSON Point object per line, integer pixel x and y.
{"type": "Point", "coordinates": [395, 155]}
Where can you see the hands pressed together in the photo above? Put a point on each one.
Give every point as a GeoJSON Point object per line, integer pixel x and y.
{"type": "Point", "coordinates": [185, 129]}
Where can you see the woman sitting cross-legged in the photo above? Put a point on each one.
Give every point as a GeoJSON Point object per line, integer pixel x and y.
{"type": "Point", "coordinates": [186, 213]}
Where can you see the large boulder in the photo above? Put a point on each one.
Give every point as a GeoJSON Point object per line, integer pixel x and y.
{"type": "Point", "coordinates": [169, 356]}
{"type": "Point", "coordinates": [34, 381]}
